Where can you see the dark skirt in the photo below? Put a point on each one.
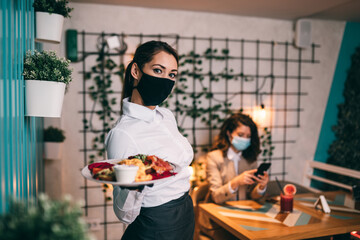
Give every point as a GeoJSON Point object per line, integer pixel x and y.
{"type": "Point", "coordinates": [171, 221]}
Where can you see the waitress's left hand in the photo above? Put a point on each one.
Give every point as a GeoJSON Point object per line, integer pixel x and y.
{"type": "Point", "coordinates": [262, 180]}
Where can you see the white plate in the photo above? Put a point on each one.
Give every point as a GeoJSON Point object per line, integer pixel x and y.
{"type": "Point", "coordinates": [87, 174]}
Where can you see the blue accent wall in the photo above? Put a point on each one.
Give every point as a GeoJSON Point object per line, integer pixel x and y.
{"type": "Point", "coordinates": [351, 40]}
{"type": "Point", "coordinates": [20, 158]}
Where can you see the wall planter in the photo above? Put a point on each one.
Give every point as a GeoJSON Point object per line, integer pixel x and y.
{"type": "Point", "coordinates": [50, 16]}
{"type": "Point", "coordinates": [53, 142]}
{"type": "Point", "coordinates": [46, 76]}
{"type": "Point", "coordinates": [49, 27]}
{"type": "Point", "coordinates": [44, 98]}
{"type": "Point", "coordinates": [52, 150]}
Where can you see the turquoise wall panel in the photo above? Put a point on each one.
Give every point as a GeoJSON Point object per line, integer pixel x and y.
{"type": "Point", "coordinates": [351, 40]}
{"type": "Point", "coordinates": [20, 161]}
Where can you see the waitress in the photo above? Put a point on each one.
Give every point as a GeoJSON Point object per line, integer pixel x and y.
{"type": "Point", "coordinates": [165, 210]}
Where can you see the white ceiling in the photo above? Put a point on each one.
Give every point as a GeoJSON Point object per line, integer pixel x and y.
{"type": "Point", "coordinates": [344, 10]}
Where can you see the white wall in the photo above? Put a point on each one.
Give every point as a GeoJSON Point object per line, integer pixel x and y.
{"type": "Point", "coordinates": [108, 18]}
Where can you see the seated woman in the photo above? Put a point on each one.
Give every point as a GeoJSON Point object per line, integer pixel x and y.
{"type": "Point", "coordinates": [231, 164]}
{"type": "Point", "coordinates": [230, 169]}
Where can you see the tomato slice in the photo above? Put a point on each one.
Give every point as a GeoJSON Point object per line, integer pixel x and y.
{"type": "Point", "coordinates": [163, 175]}
{"type": "Point", "coordinates": [99, 166]}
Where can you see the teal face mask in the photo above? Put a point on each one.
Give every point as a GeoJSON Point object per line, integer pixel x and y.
{"type": "Point", "coordinates": [240, 143]}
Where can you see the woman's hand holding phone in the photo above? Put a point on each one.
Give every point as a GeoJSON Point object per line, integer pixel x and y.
{"type": "Point", "coordinates": [262, 168]}
{"type": "Point", "coordinates": [262, 180]}
{"type": "Point", "coordinates": [245, 178]}
{"type": "Point", "coordinates": [261, 175]}
{"type": "Point", "coordinates": [249, 177]}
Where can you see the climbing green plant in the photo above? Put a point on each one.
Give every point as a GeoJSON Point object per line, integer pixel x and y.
{"type": "Point", "coordinates": [267, 146]}
{"type": "Point", "coordinates": [190, 103]}
{"type": "Point", "coordinates": [102, 94]}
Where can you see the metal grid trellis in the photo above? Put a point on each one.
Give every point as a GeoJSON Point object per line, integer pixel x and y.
{"type": "Point", "coordinates": [249, 67]}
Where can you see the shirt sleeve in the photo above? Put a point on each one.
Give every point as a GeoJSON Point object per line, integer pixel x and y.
{"type": "Point", "coordinates": [120, 145]}
{"type": "Point", "coordinates": [261, 192]}
{"type": "Point", "coordinates": [126, 203]}
{"type": "Point", "coordinates": [232, 191]}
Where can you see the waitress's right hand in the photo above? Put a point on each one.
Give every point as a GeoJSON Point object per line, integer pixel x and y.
{"type": "Point", "coordinates": [245, 178]}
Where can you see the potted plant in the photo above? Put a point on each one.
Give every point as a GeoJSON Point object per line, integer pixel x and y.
{"type": "Point", "coordinates": [44, 219]}
{"type": "Point", "coordinates": [46, 76]}
{"type": "Point", "coordinates": [53, 141]}
{"type": "Point", "coordinates": [50, 16]}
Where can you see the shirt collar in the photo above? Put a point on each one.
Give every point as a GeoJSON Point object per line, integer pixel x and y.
{"type": "Point", "coordinates": [140, 112]}
{"type": "Point", "coordinates": [232, 155]}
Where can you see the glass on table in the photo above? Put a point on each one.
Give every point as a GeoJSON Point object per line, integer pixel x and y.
{"type": "Point", "coordinates": [286, 203]}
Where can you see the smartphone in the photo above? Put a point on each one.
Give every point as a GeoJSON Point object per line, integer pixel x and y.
{"type": "Point", "coordinates": [262, 168]}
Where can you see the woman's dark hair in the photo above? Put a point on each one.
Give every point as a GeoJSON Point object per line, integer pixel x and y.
{"type": "Point", "coordinates": [222, 141]}
{"type": "Point", "coordinates": [144, 54]}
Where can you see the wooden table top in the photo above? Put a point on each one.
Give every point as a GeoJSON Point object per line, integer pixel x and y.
{"type": "Point", "coordinates": [250, 220]}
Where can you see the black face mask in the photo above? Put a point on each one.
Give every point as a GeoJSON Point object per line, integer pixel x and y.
{"type": "Point", "coordinates": [154, 90]}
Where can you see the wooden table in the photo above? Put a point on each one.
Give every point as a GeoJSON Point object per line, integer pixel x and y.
{"type": "Point", "coordinates": [250, 220]}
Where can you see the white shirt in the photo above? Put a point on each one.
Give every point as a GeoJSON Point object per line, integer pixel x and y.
{"type": "Point", "coordinates": [236, 157]}
{"type": "Point", "coordinates": [141, 130]}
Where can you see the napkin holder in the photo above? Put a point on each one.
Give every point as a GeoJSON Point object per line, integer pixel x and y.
{"type": "Point", "coordinates": [322, 203]}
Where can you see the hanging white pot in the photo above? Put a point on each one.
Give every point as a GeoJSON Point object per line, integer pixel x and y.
{"type": "Point", "coordinates": [52, 150]}
{"type": "Point", "coordinates": [49, 27]}
{"type": "Point", "coordinates": [44, 98]}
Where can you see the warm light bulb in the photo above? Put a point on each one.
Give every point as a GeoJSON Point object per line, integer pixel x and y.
{"type": "Point", "coordinates": [259, 115]}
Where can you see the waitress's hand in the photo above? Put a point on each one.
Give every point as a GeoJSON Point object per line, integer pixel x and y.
{"type": "Point", "coordinates": [245, 178]}
{"type": "Point", "coordinates": [262, 180]}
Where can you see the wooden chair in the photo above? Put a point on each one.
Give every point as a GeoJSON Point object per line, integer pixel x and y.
{"type": "Point", "coordinates": [309, 175]}
{"type": "Point", "coordinates": [198, 195]}
{"type": "Point", "coordinates": [353, 200]}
